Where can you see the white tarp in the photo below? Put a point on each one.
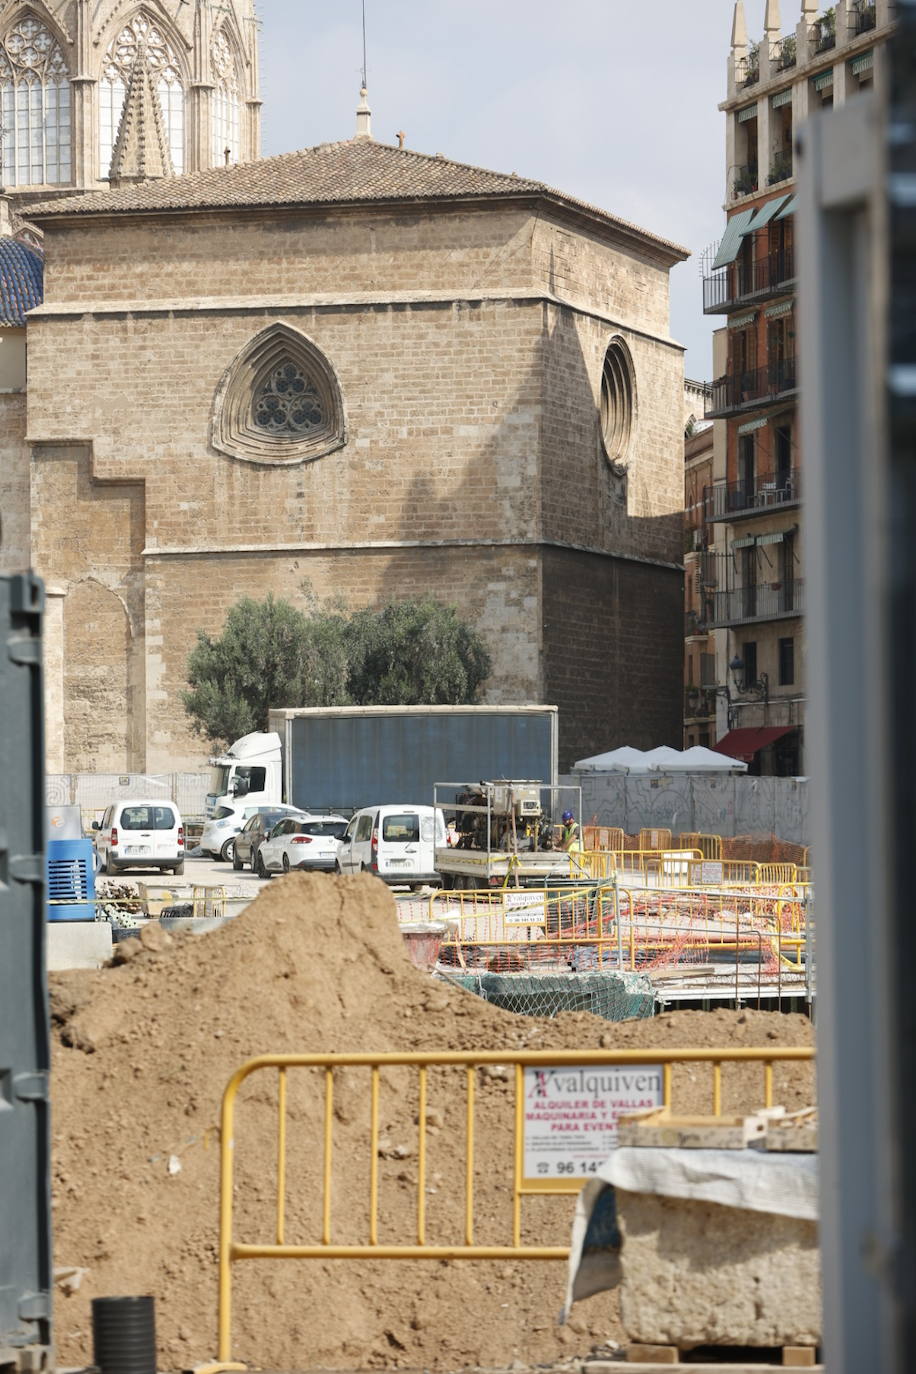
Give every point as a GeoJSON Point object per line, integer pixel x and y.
{"type": "Point", "coordinates": [782, 1184]}
{"type": "Point", "coordinates": [663, 759]}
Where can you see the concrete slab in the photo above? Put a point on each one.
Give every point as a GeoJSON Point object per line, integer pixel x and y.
{"type": "Point", "coordinates": [78, 944]}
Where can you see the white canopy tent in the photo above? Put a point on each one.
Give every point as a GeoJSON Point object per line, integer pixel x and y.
{"type": "Point", "coordinates": [664, 759]}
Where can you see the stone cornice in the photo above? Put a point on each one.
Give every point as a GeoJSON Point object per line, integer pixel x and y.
{"type": "Point", "coordinates": [328, 302]}
{"type": "Point", "coordinates": [224, 550]}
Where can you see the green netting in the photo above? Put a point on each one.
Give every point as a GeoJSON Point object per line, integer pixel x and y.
{"type": "Point", "coordinates": [613, 996]}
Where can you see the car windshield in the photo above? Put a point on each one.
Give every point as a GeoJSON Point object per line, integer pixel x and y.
{"type": "Point", "coordinates": [401, 829]}
{"type": "Point", "coordinates": [270, 818]}
{"type": "Point", "coordinates": [333, 828]}
{"type": "Point", "coordinates": [219, 779]}
{"type": "Point", "coordinates": [147, 818]}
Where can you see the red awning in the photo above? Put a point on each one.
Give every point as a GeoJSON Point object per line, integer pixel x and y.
{"type": "Point", "coordinates": [744, 744]}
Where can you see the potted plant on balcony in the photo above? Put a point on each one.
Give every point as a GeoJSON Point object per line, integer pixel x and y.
{"type": "Point", "coordinates": [788, 52]}
{"type": "Point", "coordinates": [752, 65]}
{"type": "Point", "coordinates": [825, 30]}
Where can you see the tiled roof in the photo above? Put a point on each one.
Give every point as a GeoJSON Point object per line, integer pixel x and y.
{"type": "Point", "coordinates": [352, 172]}
{"type": "Point", "coordinates": [21, 278]}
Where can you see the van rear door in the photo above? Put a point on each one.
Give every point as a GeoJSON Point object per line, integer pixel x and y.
{"type": "Point", "coordinates": [399, 843]}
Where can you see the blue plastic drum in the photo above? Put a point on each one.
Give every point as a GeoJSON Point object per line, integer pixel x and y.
{"type": "Point", "coordinates": [70, 875]}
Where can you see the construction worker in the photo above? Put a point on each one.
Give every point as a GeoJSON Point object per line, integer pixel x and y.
{"type": "Point", "coordinates": [570, 839]}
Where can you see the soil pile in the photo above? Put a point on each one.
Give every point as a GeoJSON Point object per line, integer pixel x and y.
{"type": "Point", "coordinates": [143, 1051]}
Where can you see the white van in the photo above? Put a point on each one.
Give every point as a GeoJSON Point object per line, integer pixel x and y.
{"type": "Point", "coordinates": [396, 843]}
{"type": "Point", "coordinates": [140, 834]}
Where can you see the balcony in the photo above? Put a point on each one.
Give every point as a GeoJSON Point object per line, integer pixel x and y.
{"type": "Point", "coordinates": [784, 53]}
{"type": "Point", "coordinates": [824, 32]}
{"type": "Point", "coordinates": [741, 391]}
{"type": "Point", "coordinates": [748, 70]}
{"type": "Point", "coordinates": [746, 180]}
{"type": "Point", "coordinates": [695, 624]}
{"type": "Point", "coordinates": [782, 168]}
{"type": "Point", "coordinates": [864, 17]}
{"type": "Point", "coordinates": [739, 282]}
{"type": "Point", "coordinates": [699, 703]}
{"type": "Point", "coordinates": [738, 500]}
{"type": "Point", "coordinates": [765, 601]}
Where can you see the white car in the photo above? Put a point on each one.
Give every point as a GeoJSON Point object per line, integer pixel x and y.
{"type": "Point", "coordinates": [218, 835]}
{"type": "Point", "coordinates": [140, 834]}
{"type": "Point", "coordinates": [307, 842]}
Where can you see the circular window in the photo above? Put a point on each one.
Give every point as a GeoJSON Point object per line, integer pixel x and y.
{"type": "Point", "coordinates": [618, 403]}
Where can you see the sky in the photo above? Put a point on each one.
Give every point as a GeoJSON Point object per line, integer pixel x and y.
{"type": "Point", "coordinates": [612, 101]}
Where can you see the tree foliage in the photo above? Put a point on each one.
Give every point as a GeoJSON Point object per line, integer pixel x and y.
{"type": "Point", "coordinates": [413, 653]}
{"type": "Point", "coordinates": [270, 653]}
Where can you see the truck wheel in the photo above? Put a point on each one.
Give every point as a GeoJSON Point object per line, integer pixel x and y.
{"type": "Point", "coordinates": [228, 851]}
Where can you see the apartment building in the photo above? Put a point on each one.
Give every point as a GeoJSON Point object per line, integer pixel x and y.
{"type": "Point", "coordinates": [750, 602]}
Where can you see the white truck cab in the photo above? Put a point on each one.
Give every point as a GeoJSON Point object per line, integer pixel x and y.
{"type": "Point", "coordinates": [250, 773]}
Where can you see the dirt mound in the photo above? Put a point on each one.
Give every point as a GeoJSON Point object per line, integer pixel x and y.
{"type": "Point", "coordinates": [142, 1053]}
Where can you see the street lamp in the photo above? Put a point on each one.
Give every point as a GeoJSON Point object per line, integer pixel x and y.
{"type": "Point", "coordinates": [759, 689]}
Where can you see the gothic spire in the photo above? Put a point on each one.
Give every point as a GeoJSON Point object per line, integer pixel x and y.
{"type": "Point", "coordinates": [739, 26]}
{"type": "Point", "coordinates": [141, 148]}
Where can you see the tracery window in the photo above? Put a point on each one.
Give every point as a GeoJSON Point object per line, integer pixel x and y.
{"type": "Point", "coordinates": [227, 101]}
{"type": "Point", "coordinates": [288, 402]}
{"type": "Point", "coordinates": [35, 106]}
{"type": "Point", "coordinates": [279, 401]}
{"type": "Point", "coordinates": [140, 34]}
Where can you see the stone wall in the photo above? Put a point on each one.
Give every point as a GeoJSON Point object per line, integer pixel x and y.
{"type": "Point", "coordinates": [14, 486]}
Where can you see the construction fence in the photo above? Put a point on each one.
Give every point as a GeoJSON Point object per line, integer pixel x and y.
{"type": "Point", "coordinates": [339, 1187]}
{"type": "Point", "coordinates": [625, 944]}
{"type": "Point", "coordinates": [93, 792]}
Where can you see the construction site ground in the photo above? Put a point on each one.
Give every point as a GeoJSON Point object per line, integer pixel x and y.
{"type": "Point", "coordinates": [142, 1053]}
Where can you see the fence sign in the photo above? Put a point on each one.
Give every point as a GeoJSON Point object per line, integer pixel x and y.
{"type": "Point", "coordinates": [521, 909]}
{"type": "Point", "coordinates": [570, 1115]}
{"type": "Point", "coordinates": [712, 874]}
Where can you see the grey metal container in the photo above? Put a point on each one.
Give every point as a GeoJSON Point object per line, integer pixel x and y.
{"type": "Point", "coordinates": [25, 1203]}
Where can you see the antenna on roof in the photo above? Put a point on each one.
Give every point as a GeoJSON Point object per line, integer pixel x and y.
{"type": "Point", "coordinates": [364, 81]}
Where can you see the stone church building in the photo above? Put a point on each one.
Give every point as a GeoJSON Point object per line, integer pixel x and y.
{"type": "Point", "coordinates": [357, 366]}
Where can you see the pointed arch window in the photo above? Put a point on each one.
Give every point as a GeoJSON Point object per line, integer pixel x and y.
{"type": "Point", "coordinates": [141, 35]}
{"type": "Point", "coordinates": [35, 104]}
{"type": "Point", "coordinates": [227, 101]}
{"type": "Point", "coordinates": [279, 401]}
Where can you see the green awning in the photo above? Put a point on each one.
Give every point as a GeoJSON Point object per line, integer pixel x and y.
{"type": "Point", "coordinates": [788, 208]}
{"type": "Point", "coordinates": [825, 79]}
{"type": "Point", "coordinates": [742, 321]}
{"type": "Point", "coordinates": [773, 312]}
{"type": "Point", "coordinates": [764, 213]}
{"type": "Point", "coordinates": [743, 543]}
{"type": "Point", "coordinates": [749, 112]}
{"type": "Point", "coordinates": [750, 425]}
{"type": "Point", "coordinates": [771, 538]}
{"type": "Point", "coordinates": [781, 98]}
{"type": "Point", "coordinates": [731, 239]}
{"type": "Point", "coordinates": [862, 62]}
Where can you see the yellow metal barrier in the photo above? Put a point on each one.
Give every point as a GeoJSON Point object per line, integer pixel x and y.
{"type": "Point", "coordinates": [710, 846]}
{"type": "Point", "coordinates": [654, 839]}
{"type": "Point", "coordinates": [231, 1250]}
{"type": "Point", "coordinates": [603, 837]}
{"type": "Point", "coordinates": [723, 872]}
{"type": "Point", "coordinates": [778, 873]}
